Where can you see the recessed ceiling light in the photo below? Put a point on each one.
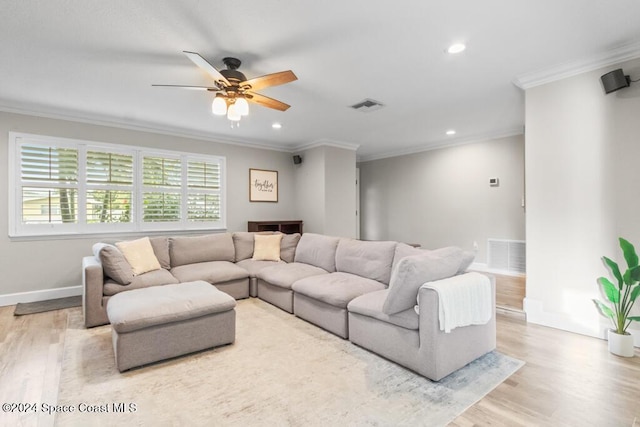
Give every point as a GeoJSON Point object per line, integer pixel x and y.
{"type": "Point", "coordinates": [451, 132]}
{"type": "Point", "coordinates": [276, 126]}
{"type": "Point", "coordinates": [456, 48]}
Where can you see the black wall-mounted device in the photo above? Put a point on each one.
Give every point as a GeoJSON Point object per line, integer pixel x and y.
{"type": "Point", "coordinates": [297, 159]}
{"type": "Point", "coordinates": [614, 80]}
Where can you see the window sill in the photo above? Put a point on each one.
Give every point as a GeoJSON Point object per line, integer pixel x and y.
{"type": "Point", "coordinates": [112, 235]}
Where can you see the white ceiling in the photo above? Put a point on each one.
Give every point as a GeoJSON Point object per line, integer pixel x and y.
{"type": "Point", "coordinates": [97, 60]}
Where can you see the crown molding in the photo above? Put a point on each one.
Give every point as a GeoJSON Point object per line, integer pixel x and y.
{"type": "Point", "coordinates": [444, 143]}
{"type": "Point", "coordinates": [99, 120]}
{"type": "Point", "coordinates": [327, 143]}
{"type": "Point", "coordinates": [620, 54]}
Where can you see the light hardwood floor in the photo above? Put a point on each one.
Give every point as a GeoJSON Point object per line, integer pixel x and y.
{"type": "Point", "coordinates": [568, 379]}
{"type": "Point", "coordinates": [510, 291]}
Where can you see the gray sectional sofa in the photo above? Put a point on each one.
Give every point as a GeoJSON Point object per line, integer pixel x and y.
{"type": "Point", "coordinates": [376, 294]}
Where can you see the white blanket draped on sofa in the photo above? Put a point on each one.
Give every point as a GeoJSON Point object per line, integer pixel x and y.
{"type": "Point", "coordinates": [463, 300]}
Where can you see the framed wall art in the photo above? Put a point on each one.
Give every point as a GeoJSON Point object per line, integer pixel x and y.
{"type": "Point", "coordinates": [263, 185]}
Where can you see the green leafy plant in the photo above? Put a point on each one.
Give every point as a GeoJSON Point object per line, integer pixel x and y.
{"type": "Point", "coordinates": [622, 296]}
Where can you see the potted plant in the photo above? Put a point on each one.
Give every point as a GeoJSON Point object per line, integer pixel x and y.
{"type": "Point", "coordinates": [621, 297]}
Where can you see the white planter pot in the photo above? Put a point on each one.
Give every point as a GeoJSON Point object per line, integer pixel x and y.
{"type": "Point", "coordinates": [620, 345]}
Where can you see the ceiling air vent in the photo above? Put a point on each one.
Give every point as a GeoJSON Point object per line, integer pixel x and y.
{"type": "Point", "coordinates": [367, 106]}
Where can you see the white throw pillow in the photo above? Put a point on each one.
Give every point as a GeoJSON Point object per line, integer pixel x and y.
{"type": "Point", "coordinates": [266, 248]}
{"type": "Point", "coordinates": [139, 254]}
{"type": "Point", "coordinates": [413, 271]}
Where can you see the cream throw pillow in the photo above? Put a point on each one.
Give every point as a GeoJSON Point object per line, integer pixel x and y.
{"type": "Point", "coordinates": [139, 253]}
{"type": "Point", "coordinates": [266, 248]}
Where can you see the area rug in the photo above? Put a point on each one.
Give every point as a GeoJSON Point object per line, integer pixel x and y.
{"type": "Point", "coordinates": [23, 308]}
{"type": "Point", "coordinates": [280, 371]}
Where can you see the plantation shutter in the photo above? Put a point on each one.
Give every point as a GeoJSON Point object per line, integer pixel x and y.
{"type": "Point", "coordinates": [162, 181]}
{"type": "Point", "coordinates": [49, 184]}
{"type": "Point", "coordinates": [203, 191]}
{"type": "Point", "coordinates": [109, 187]}
{"type": "Point", "coordinates": [61, 186]}
{"type": "Point", "coordinates": [109, 168]}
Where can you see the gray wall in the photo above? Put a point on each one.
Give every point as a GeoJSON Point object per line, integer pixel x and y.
{"type": "Point", "coordinates": [309, 189]}
{"type": "Point", "coordinates": [29, 265]}
{"type": "Point", "coordinates": [340, 192]}
{"type": "Point", "coordinates": [582, 176]}
{"type": "Point", "coordinates": [326, 190]}
{"type": "Point", "coordinates": [442, 197]}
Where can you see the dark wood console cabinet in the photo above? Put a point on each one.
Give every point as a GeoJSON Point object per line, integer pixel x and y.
{"type": "Point", "coordinates": [286, 227]}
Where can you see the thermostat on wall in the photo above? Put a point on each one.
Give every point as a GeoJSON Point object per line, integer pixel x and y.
{"type": "Point", "coordinates": [494, 182]}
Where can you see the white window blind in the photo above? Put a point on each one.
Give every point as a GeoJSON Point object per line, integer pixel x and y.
{"type": "Point", "coordinates": [109, 180]}
{"type": "Point", "coordinates": [203, 194]}
{"type": "Point", "coordinates": [65, 186]}
{"type": "Point", "coordinates": [161, 197]}
{"type": "Point", "coordinates": [49, 184]}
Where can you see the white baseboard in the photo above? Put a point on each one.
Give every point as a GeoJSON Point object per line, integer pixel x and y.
{"type": "Point", "coordinates": [483, 268]}
{"type": "Point", "coordinates": [43, 295]}
{"type": "Point", "coordinates": [535, 313]}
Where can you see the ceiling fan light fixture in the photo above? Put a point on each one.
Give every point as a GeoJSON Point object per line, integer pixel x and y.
{"type": "Point", "coordinates": [233, 114]}
{"type": "Point", "coordinates": [242, 106]}
{"type": "Point", "coordinates": [219, 106]}
{"type": "Point", "coordinates": [234, 91]}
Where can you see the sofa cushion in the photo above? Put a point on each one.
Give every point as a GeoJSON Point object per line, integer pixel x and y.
{"type": "Point", "coordinates": [253, 267]}
{"type": "Point", "coordinates": [317, 250]}
{"type": "Point", "coordinates": [211, 271]}
{"type": "Point", "coordinates": [288, 246]}
{"type": "Point", "coordinates": [160, 247]}
{"type": "Point", "coordinates": [336, 289]}
{"type": "Point", "coordinates": [266, 248]}
{"type": "Point", "coordinates": [402, 251]}
{"type": "Point", "coordinates": [192, 249]}
{"type": "Point", "coordinates": [152, 278]}
{"type": "Point", "coordinates": [370, 305]}
{"type": "Point", "coordinates": [139, 254]}
{"type": "Point", "coordinates": [366, 259]}
{"type": "Point", "coordinates": [414, 271]}
{"type": "Point", "coordinates": [467, 259]}
{"type": "Point", "coordinates": [113, 263]}
{"type": "Point", "coordinates": [284, 275]}
{"type": "Point", "coordinates": [243, 244]}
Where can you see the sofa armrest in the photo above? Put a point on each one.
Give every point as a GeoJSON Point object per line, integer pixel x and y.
{"type": "Point", "coordinates": [447, 352]}
{"type": "Point", "coordinates": [92, 284]}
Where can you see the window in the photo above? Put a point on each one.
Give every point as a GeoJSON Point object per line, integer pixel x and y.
{"type": "Point", "coordinates": [162, 185]}
{"type": "Point", "coordinates": [49, 177]}
{"type": "Point", "coordinates": [203, 191]}
{"type": "Point", "coordinates": [109, 180]}
{"type": "Point", "coordinates": [64, 186]}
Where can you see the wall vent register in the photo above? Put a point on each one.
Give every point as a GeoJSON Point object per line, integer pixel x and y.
{"type": "Point", "coordinates": [507, 255]}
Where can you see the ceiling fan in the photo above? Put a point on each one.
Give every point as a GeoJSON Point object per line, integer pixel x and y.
{"type": "Point", "coordinates": [233, 90]}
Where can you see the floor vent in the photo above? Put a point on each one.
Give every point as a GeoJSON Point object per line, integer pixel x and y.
{"type": "Point", "coordinates": [367, 106]}
{"type": "Point", "coordinates": [507, 255]}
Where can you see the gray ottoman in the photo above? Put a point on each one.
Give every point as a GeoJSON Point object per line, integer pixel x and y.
{"type": "Point", "coordinates": [161, 322]}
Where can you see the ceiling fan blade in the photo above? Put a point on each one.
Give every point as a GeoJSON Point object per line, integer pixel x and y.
{"type": "Point", "coordinates": [210, 69]}
{"type": "Point", "coordinates": [274, 79]}
{"type": "Point", "coordinates": [265, 101]}
{"type": "Point", "coordinates": [211, 89]}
